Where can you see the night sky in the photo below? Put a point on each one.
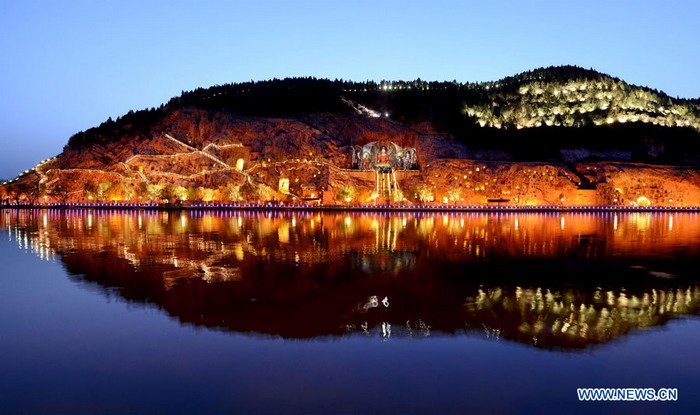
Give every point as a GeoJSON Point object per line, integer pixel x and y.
{"type": "Point", "coordinates": [67, 66]}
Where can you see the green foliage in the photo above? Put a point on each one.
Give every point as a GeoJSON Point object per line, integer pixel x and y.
{"type": "Point", "coordinates": [424, 194]}
{"type": "Point", "coordinates": [102, 190]}
{"type": "Point", "coordinates": [345, 194]}
{"type": "Point", "coordinates": [231, 193]}
{"type": "Point", "coordinates": [90, 189]}
{"type": "Point", "coordinates": [167, 193]}
{"type": "Point", "coordinates": [180, 192]}
{"type": "Point", "coordinates": [154, 191]}
{"type": "Point", "coordinates": [205, 194]}
{"type": "Point", "coordinates": [397, 196]}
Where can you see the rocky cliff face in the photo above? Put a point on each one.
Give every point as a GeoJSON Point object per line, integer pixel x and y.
{"type": "Point", "coordinates": [193, 154]}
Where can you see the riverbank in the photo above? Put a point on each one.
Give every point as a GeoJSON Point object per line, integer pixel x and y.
{"type": "Point", "coordinates": [363, 208]}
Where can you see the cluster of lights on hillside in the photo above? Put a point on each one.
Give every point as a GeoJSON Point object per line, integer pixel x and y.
{"type": "Point", "coordinates": [575, 103]}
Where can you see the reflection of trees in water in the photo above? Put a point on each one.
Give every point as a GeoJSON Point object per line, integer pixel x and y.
{"type": "Point", "coordinates": [308, 275]}
{"type": "Point", "coordinates": [383, 261]}
{"type": "Point", "coordinates": [574, 318]}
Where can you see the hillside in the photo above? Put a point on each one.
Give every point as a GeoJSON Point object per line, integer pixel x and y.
{"type": "Point", "coordinates": [533, 138]}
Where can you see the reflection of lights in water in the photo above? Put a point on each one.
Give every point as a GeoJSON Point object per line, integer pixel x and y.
{"type": "Point", "coordinates": [240, 221]}
{"type": "Point", "coordinates": [492, 332]}
{"type": "Point", "coordinates": [46, 220]}
{"type": "Point", "coordinates": [238, 251]}
{"type": "Point", "coordinates": [294, 222]}
{"type": "Point", "coordinates": [183, 220]}
{"type": "Point", "coordinates": [89, 221]}
{"type": "Point", "coordinates": [283, 234]}
{"type": "Point", "coordinates": [386, 330]}
{"type": "Point", "coordinates": [140, 221]}
{"type": "Point", "coordinates": [562, 223]}
{"type": "Point", "coordinates": [348, 221]}
{"type": "Point", "coordinates": [517, 224]}
{"type": "Point", "coordinates": [372, 302]}
{"type": "Point", "coordinates": [578, 317]}
{"type": "Point", "coordinates": [615, 222]}
{"type": "Point", "coordinates": [642, 220]}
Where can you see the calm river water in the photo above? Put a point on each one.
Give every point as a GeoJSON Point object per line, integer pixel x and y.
{"type": "Point", "coordinates": [292, 312]}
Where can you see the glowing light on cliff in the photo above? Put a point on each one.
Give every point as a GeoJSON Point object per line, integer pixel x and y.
{"type": "Point", "coordinates": [643, 201]}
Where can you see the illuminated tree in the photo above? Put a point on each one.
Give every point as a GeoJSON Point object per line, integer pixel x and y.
{"type": "Point", "coordinates": [232, 193]}
{"type": "Point", "coordinates": [643, 201]}
{"type": "Point", "coordinates": [117, 191]}
{"type": "Point", "coordinates": [103, 190]}
{"type": "Point", "coordinates": [167, 193]}
{"type": "Point", "coordinates": [205, 194]}
{"type": "Point", "coordinates": [424, 194]}
{"type": "Point", "coordinates": [142, 190]}
{"type": "Point", "coordinates": [345, 194]}
{"type": "Point", "coordinates": [180, 192]}
{"type": "Point", "coordinates": [454, 194]}
{"type": "Point", "coordinates": [90, 190]}
{"type": "Point", "coordinates": [154, 191]}
{"type": "Point", "coordinates": [397, 196]}
{"type": "Point", "coordinates": [193, 194]}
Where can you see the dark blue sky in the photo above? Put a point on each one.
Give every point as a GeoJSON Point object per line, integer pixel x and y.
{"type": "Point", "coordinates": [67, 66]}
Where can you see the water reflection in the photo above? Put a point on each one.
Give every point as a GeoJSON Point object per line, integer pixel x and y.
{"type": "Point", "coordinates": [544, 279]}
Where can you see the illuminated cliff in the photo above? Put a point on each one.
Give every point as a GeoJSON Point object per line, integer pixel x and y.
{"type": "Point", "coordinates": [553, 136]}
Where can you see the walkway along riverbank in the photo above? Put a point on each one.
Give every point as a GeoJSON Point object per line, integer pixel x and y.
{"type": "Point", "coordinates": [342, 208]}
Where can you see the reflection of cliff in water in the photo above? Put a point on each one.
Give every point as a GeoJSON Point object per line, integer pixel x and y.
{"type": "Point", "coordinates": [545, 280]}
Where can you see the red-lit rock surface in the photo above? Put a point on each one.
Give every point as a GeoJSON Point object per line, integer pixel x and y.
{"type": "Point", "coordinates": [204, 152]}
